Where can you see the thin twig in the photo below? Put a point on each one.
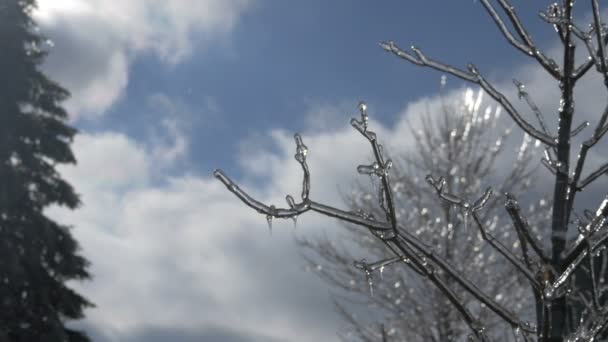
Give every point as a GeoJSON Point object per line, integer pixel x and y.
{"type": "Point", "coordinates": [522, 226]}
{"type": "Point", "coordinates": [528, 47]}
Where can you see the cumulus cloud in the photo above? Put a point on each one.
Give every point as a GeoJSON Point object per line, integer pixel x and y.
{"type": "Point", "coordinates": [95, 41]}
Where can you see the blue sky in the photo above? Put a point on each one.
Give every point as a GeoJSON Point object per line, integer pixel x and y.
{"type": "Point", "coordinates": [165, 92]}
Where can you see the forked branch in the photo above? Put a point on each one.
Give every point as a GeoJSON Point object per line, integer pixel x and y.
{"type": "Point", "coordinates": [527, 46]}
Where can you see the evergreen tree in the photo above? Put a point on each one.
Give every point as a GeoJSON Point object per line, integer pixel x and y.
{"type": "Point", "coordinates": [37, 254]}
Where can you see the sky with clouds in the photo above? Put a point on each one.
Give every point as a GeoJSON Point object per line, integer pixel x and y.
{"type": "Point", "coordinates": [164, 92]}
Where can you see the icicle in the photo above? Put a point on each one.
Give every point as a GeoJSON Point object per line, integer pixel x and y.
{"type": "Point", "coordinates": [295, 221]}
{"type": "Point", "coordinates": [269, 218]}
{"type": "Point", "coordinates": [269, 221]}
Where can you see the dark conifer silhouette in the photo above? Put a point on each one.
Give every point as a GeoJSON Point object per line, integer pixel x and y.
{"type": "Point", "coordinates": [37, 254]}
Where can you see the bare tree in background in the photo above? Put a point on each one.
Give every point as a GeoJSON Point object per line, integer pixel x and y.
{"type": "Point", "coordinates": [462, 141]}
{"type": "Point", "coordinates": [555, 276]}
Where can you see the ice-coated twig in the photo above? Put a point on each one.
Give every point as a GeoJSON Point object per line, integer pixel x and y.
{"type": "Point", "coordinates": [522, 93]}
{"type": "Point", "coordinates": [602, 127]}
{"type": "Point", "coordinates": [472, 209]}
{"type": "Point", "coordinates": [403, 258]}
{"type": "Point", "coordinates": [472, 76]}
{"type": "Point", "coordinates": [587, 38]}
{"type": "Point", "coordinates": [474, 324]}
{"type": "Point", "coordinates": [301, 208]}
{"type": "Point", "coordinates": [300, 156]}
{"type": "Point", "coordinates": [527, 47]}
{"type": "Point", "coordinates": [379, 265]}
{"type": "Point", "coordinates": [554, 16]}
{"type": "Point", "coordinates": [522, 226]}
{"type": "Point", "coordinates": [296, 209]}
{"type": "Point", "coordinates": [597, 55]}
{"type": "Point", "coordinates": [579, 129]}
{"type": "Point", "coordinates": [498, 246]}
{"type": "Point", "coordinates": [593, 238]}
{"type": "Point", "coordinates": [575, 185]}
{"type": "Point", "coordinates": [439, 184]}
{"type": "Point", "coordinates": [588, 330]}
{"type": "Point", "coordinates": [380, 167]}
{"type": "Point", "coordinates": [594, 288]}
{"type": "Point", "coordinates": [598, 28]}
{"type": "Point", "coordinates": [582, 69]}
{"type": "Point", "coordinates": [406, 237]}
{"type": "Point", "coordinates": [593, 176]}
{"type": "Point", "coordinates": [363, 265]}
{"type": "Point", "coordinates": [405, 252]}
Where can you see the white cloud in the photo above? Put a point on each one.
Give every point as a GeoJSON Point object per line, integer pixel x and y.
{"type": "Point", "coordinates": [96, 40]}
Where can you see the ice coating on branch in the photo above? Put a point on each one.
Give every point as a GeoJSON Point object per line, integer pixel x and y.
{"type": "Point", "coordinates": [375, 169]}
{"type": "Point", "coordinates": [363, 265]}
{"type": "Point", "coordinates": [290, 201]}
{"type": "Point", "coordinates": [364, 117]}
{"type": "Point", "coordinates": [300, 156]}
{"type": "Point", "coordinates": [301, 149]}
{"type": "Point", "coordinates": [369, 169]}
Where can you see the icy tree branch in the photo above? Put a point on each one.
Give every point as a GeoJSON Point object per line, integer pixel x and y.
{"type": "Point", "coordinates": [380, 168]}
{"type": "Point", "coordinates": [594, 235]}
{"type": "Point", "coordinates": [521, 226]}
{"type": "Point", "coordinates": [599, 32]}
{"type": "Point", "coordinates": [471, 209]}
{"type": "Point", "coordinates": [474, 77]}
{"type": "Point", "coordinates": [527, 46]}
